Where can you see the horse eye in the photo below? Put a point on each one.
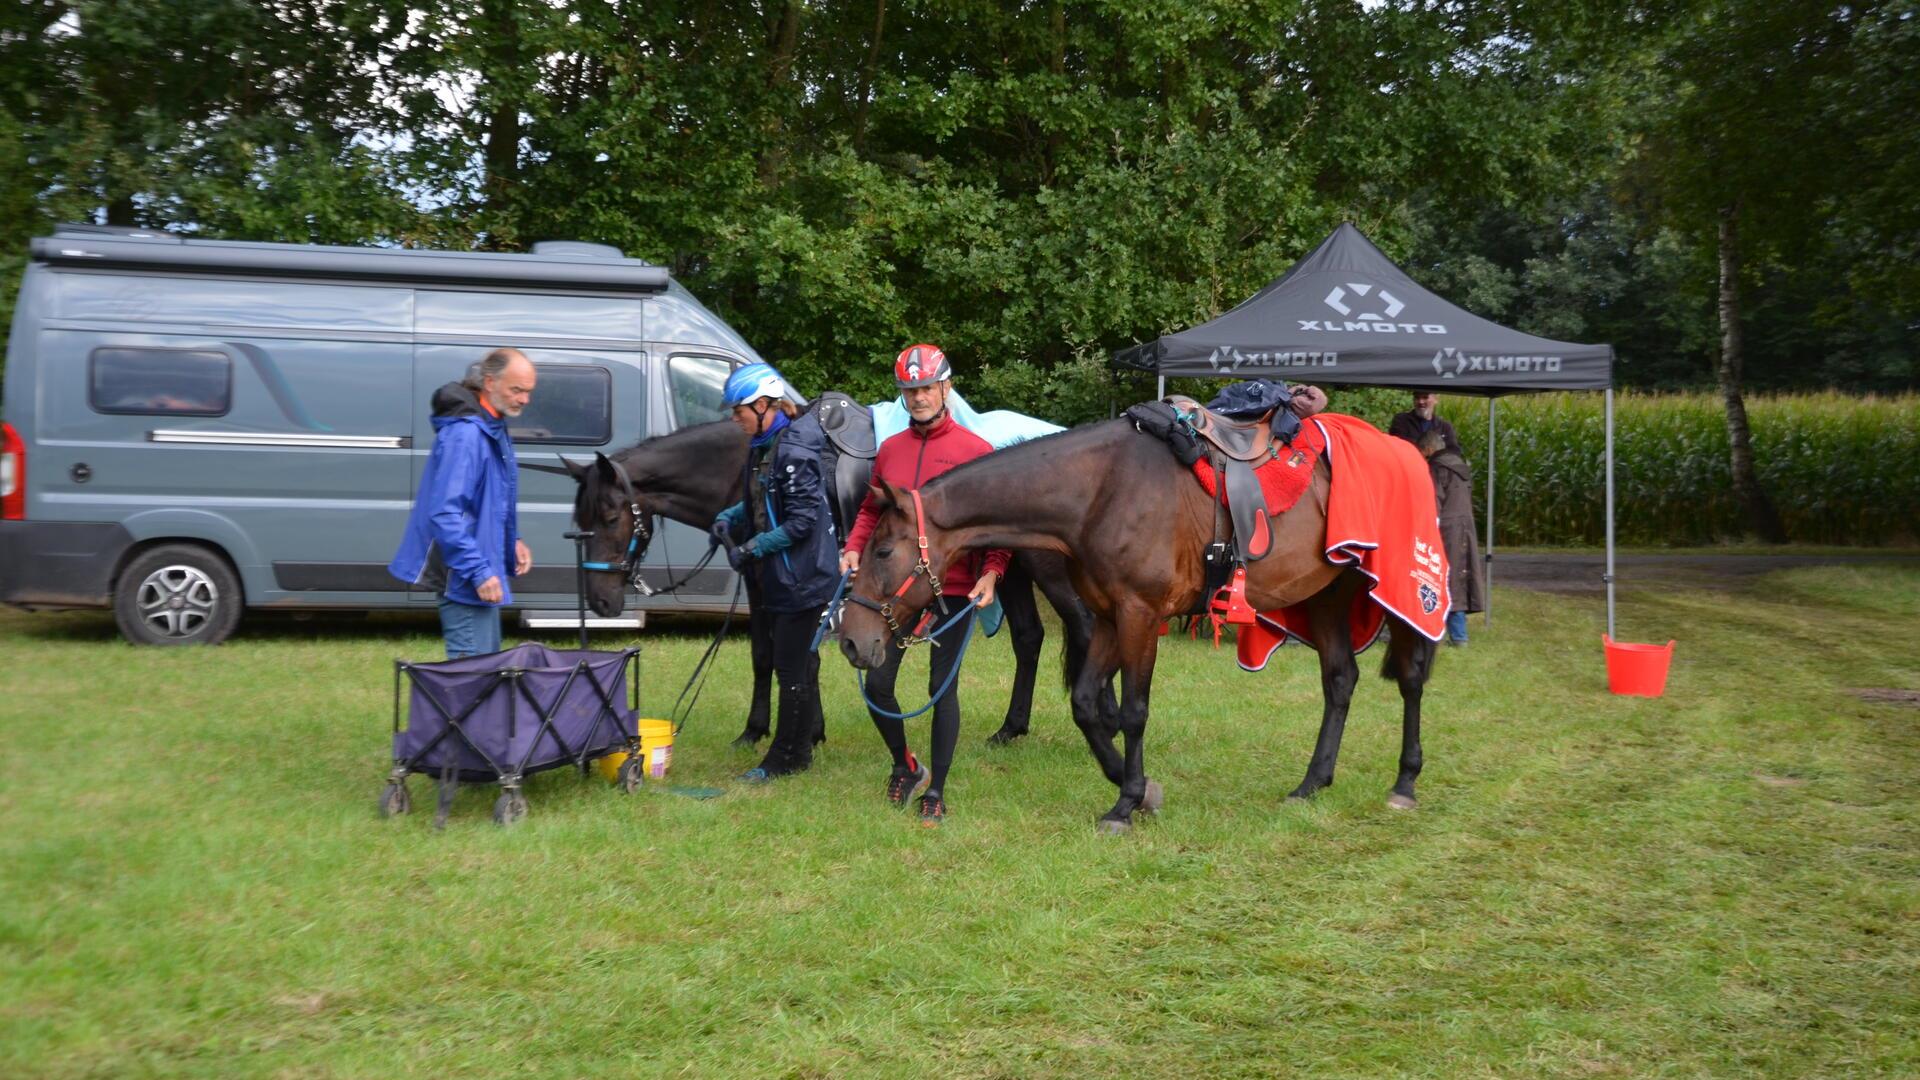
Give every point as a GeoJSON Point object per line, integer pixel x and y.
{"type": "Point", "coordinates": [885, 551]}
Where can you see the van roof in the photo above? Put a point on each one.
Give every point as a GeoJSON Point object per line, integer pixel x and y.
{"type": "Point", "coordinates": [552, 265]}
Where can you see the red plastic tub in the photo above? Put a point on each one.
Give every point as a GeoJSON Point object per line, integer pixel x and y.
{"type": "Point", "coordinates": [1637, 670]}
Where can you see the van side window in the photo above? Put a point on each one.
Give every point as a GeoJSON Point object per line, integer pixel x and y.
{"type": "Point", "coordinates": [523, 315]}
{"type": "Point", "coordinates": [160, 382]}
{"type": "Point", "coordinates": [572, 406]}
{"type": "Point", "coordinates": [698, 384]}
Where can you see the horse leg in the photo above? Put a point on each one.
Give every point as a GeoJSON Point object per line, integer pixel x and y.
{"type": "Point", "coordinates": [1410, 663]}
{"type": "Point", "coordinates": [760, 635]}
{"type": "Point", "coordinates": [1076, 624]}
{"type": "Point", "coordinates": [1023, 626]}
{"type": "Point", "coordinates": [1139, 642]}
{"type": "Point", "coordinates": [1327, 616]}
{"type": "Point", "coordinates": [1101, 661]}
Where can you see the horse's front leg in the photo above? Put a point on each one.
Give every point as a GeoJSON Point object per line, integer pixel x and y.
{"type": "Point", "coordinates": [760, 635]}
{"type": "Point", "coordinates": [1139, 643]}
{"type": "Point", "coordinates": [1327, 612]}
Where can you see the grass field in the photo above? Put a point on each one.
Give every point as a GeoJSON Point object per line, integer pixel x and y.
{"type": "Point", "coordinates": [1724, 881]}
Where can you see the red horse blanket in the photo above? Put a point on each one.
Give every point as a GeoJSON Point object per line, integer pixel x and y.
{"type": "Point", "coordinates": [1284, 477]}
{"type": "Point", "coordinates": [1381, 518]}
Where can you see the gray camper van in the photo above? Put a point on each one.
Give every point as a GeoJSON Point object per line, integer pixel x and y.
{"type": "Point", "coordinates": [192, 427]}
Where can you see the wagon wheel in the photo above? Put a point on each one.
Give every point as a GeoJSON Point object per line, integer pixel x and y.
{"type": "Point", "coordinates": [394, 799]}
{"type": "Point", "coordinates": [510, 807]}
{"type": "Point", "coordinates": [631, 774]}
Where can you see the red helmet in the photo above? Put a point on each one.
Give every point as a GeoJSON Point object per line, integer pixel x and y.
{"type": "Point", "coordinates": [920, 365]}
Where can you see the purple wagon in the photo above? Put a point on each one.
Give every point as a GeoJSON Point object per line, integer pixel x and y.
{"type": "Point", "coordinates": [501, 717]}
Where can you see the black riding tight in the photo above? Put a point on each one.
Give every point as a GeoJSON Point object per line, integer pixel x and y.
{"type": "Point", "coordinates": [946, 715]}
{"type": "Point", "coordinates": [797, 669]}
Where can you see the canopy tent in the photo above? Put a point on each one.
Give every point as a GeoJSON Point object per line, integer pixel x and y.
{"type": "Point", "coordinates": [1347, 315]}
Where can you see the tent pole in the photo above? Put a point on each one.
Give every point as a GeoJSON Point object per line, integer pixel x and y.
{"type": "Point", "coordinates": [1486, 556]}
{"type": "Point", "coordinates": [1610, 512]}
{"type": "Point", "coordinates": [1159, 387]}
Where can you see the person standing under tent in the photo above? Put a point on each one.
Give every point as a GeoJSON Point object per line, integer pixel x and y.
{"type": "Point", "coordinates": [1453, 490]}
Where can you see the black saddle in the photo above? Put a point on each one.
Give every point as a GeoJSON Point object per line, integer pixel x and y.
{"type": "Point", "coordinates": [847, 465]}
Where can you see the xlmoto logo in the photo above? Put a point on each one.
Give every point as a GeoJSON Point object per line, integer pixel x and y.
{"type": "Point", "coordinates": [1452, 363]}
{"type": "Point", "coordinates": [1368, 322]}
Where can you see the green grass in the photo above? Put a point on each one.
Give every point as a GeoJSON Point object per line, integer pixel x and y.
{"type": "Point", "coordinates": [1722, 881]}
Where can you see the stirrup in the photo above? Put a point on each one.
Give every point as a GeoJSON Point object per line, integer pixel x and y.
{"type": "Point", "coordinates": [1230, 603]}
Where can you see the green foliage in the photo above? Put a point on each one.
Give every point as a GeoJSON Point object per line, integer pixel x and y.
{"type": "Point", "coordinates": [1842, 470]}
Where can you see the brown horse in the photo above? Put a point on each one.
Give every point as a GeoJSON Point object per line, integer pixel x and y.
{"type": "Point", "coordinates": [1135, 524]}
{"type": "Point", "coordinates": [692, 474]}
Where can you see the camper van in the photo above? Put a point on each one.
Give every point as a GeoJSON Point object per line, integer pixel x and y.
{"type": "Point", "coordinates": [195, 428]}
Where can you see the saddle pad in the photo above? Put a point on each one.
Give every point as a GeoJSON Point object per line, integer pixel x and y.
{"type": "Point", "coordinates": [1283, 479]}
{"type": "Point", "coordinates": [1382, 519]}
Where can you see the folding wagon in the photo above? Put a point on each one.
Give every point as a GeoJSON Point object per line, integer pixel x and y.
{"type": "Point", "coordinates": [502, 717]}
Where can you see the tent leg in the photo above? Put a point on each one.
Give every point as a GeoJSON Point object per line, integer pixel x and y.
{"type": "Point", "coordinates": [1159, 387]}
{"type": "Point", "coordinates": [1610, 512]}
{"type": "Point", "coordinates": [1487, 556]}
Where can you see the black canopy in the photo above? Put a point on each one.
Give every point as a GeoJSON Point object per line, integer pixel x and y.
{"type": "Point", "coordinates": [1347, 315]}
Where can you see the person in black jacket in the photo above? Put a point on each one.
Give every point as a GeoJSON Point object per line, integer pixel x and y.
{"type": "Point", "coordinates": [783, 532]}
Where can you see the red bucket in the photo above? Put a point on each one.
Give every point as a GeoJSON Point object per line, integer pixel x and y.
{"type": "Point", "coordinates": [1638, 670]}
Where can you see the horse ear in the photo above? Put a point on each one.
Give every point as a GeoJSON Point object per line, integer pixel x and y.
{"type": "Point", "coordinates": [882, 494]}
{"type": "Point", "coordinates": [574, 468]}
{"type": "Point", "coordinates": [896, 495]}
{"type": "Point", "coordinates": [603, 463]}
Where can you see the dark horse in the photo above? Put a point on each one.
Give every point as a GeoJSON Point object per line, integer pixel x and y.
{"type": "Point", "coordinates": [693, 474]}
{"type": "Point", "coordinates": [1134, 524]}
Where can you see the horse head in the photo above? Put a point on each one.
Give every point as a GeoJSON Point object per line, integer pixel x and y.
{"type": "Point", "coordinates": [900, 573]}
{"type": "Point", "coordinates": [608, 505]}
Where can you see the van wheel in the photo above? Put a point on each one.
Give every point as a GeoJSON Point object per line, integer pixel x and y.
{"type": "Point", "coordinates": [177, 594]}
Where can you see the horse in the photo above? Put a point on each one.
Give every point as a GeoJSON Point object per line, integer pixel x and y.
{"type": "Point", "coordinates": [1134, 526]}
{"type": "Point", "coordinates": [691, 475]}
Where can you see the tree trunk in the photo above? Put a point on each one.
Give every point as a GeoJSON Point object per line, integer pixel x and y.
{"type": "Point", "coordinates": [1762, 518]}
{"type": "Point", "coordinates": [866, 76]}
{"type": "Point", "coordinates": [503, 120]}
{"type": "Point", "coordinates": [786, 43]}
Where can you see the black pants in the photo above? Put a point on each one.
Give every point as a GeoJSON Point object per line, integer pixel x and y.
{"type": "Point", "coordinates": [796, 667]}
{"type": "Point", "coordinates": [946, 714]}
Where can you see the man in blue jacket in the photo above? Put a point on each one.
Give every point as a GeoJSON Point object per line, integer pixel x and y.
{"type": "Point", "coordinates": [464, 528]}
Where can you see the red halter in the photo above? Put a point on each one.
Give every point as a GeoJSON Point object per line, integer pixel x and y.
{"type": "Point", "coordinates": [920, 567]}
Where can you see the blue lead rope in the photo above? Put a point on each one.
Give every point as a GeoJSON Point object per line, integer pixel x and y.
{"type": "Point", "coordinates": [860, 681]}
{"type": "Point", "coordinates": [833, 606]}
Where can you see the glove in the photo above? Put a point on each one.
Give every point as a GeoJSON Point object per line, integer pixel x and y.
{"type": "Point", "coordinates": [720, 532]}
{"type": "Point", "coordinates": [738, 557]}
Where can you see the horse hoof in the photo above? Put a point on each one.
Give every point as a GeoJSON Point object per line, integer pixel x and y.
{"type": "Point", "coordinates": [747, 742]}
{"type": "Point", "coordinates": [1156, 797]}
{"type": "Point", "coordinates": [1398, 801]}
{"type": "Point", "coordinates": [1111, 827]}
{"type": "Point", "coordinates": [1005, 737]}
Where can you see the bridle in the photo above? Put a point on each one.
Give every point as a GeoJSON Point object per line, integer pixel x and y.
{"type": "Point", "coordinates": [638, 542]}
{"type": "Point", "coordinates": [885, 608]}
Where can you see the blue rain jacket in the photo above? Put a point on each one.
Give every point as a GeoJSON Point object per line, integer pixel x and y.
{"type": "Point", "coordinates": [465, 516]}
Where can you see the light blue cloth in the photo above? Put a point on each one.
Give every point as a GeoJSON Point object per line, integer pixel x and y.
{"type": "Point", "coordinates": [1001, 428]}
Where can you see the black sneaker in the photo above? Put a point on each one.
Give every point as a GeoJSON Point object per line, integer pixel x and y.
{"type": "Point", "coordinates": [933, 811]}
{"type": "Point", "coordinates": [905, 783]}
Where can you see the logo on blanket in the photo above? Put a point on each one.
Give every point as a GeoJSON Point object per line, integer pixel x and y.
{"type": "Point", "coordinates": [1429, 598]}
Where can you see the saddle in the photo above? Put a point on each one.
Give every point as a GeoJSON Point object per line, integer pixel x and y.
{"type": "Point", "coordinates": [1239, 447]}
{"type": "Point", "coordinates": [1241, 440]}
{"type": "Point", "coordinates": [848, 464]}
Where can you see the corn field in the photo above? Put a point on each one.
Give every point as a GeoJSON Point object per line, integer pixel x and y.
{"type": "Point", "coordinates": [1840, 469]}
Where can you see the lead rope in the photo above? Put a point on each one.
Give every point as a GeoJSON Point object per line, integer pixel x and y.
{"type": "Point", "coordinates": [860, 681]}
{"type": "Point", "coordinates": [678, 718]}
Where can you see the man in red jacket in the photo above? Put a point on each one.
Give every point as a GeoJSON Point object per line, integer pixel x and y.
{"type": "Point", "coordinates": [931, 445]}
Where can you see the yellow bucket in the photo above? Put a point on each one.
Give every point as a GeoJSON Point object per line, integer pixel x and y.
{"type": "Point", "coordinates": [656, 749]}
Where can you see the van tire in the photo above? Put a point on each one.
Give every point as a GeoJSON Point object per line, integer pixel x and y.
{"type": "Point", "coordinates": [177, 594]}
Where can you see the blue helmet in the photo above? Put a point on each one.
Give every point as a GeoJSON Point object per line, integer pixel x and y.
{"type": "Point", "coordinates": [752, 382]}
